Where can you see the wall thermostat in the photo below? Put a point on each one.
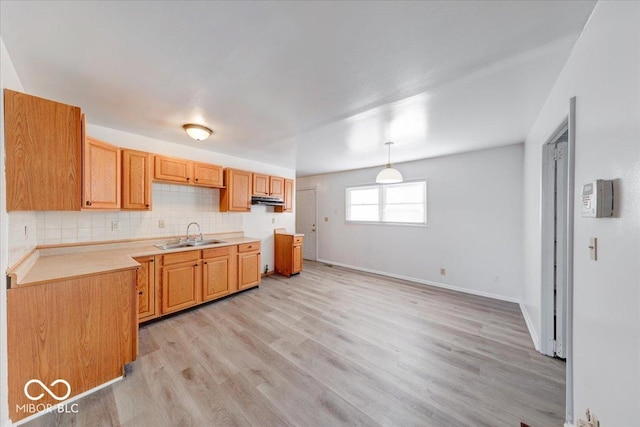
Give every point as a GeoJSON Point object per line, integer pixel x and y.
{"type": "Point", "coordinates": [597, 198]}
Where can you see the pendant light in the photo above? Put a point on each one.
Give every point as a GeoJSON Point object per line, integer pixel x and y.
{"type": "Point", "coordinates": [389, 175]}
{"type": "Point", "coordinates": [197, 132]}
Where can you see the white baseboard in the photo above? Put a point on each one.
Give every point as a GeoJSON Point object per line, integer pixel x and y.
{"type": "Point", "coordinates": [532, 331]}
{"type": "Point", "coordinates": [66, 402]}
{"type": "Point", "coordinates": [425, 282]}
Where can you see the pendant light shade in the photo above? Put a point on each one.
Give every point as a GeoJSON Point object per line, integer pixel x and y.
{"type": "Point", "coordinates": [197, 132]}
{"type": "Point", "coordinates": [389, 175]}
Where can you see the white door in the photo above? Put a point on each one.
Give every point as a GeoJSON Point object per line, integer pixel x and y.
{"type": "Point", "coordinates": [306, 222]}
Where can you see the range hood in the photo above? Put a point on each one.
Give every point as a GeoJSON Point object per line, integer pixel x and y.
{"type": "Point", "coordinates": [267, 200]}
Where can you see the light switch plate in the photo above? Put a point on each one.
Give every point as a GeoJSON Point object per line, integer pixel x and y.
{"type": "Point", "coordinates": [593, 248]}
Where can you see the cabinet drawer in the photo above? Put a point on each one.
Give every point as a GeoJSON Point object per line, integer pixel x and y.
{"type": "Point", "coordinates": [249, 247]}
{"type": "Point", "coordinates": [216, 252]}
{"type": "Point", "coordinates": [297, 239]}
{"type": "Point", "coordinates": [180, 257]}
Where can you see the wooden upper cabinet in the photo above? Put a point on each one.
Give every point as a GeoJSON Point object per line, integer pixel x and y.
{"type": "Point", "coordinates": [260, 186]}
{"type": "Point", "coordinates": [236, 197]}
{"type": "Point", "coordinates": [101, 175]}
{"type": "Point", "coordinates": [276, 186]}
{"type": "Point", "coordinates": [43, 146]}
{"type": "Point", "coordinates": [288, 197]}
{"type": "Point", "coordinates": [172, 169]}
{"type": "Point", "coordinates": [208, 175]}
{"type": "Point", "coordinates": [136, 180]}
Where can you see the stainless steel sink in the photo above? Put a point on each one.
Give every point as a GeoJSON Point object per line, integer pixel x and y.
{"type": "Point", "coordinates": [187, 244]}
{"type": "Point", "coordinates": [172, 245]}
{"type": "Point", "coordinates": [204, 242]}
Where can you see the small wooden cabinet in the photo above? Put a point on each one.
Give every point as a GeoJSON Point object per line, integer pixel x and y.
{"type": "Point", "coordinates": [260, 185]}
{"type": "Point", "coordinates": [248, 265]}
{"type": "Point", "coordinates": [218, 268]}
{"type": "Point", "coordinates": [208, 175]}
{"type": "Point", "coordinates": [288, 197]}
{"type": "Point", "coordinates": [181, 278]}
{"type": "Point", "coordinates": [172, 169]}
{"type": "Point", "coordinates": [265, 185]}
{"type": "Point", "coordinates": [146, 287]}
{"type": "Point", "coordinates": [101, 175]}
{"type": "Point", "coordinates": [136, 180]}
{"type": "Point", "coordinates": [276, 186]}
{"type": "Point", "coordinates": [43, 154]}
{"type": "Point", "coordinates": [236, 197]}
{"type": "Point", "coordinates": [288, 253]}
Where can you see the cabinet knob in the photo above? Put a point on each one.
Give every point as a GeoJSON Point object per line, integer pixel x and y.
{"type": "Point", "coordinates": [146, 205]}
{"type": "Point", "coordinates": [187, 178]}
{"type": "Point", "coordinates": [195, 265]}
{"type": "Point", "coordinates": [205, 263]}
{"type": "Point", "coordinates": [196, 179]}
{"type": "Point", "coordinates": [88, 203]}
{"type": "Point", "coordinates": [151, 260]}
{"type": "Point", "coordinates": [141, 293]}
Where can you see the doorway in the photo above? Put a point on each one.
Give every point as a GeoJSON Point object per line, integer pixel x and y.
{"type": "Point", "coordinates": [306, 220]}
{"type": "Point", "coordinates": [557, 248]}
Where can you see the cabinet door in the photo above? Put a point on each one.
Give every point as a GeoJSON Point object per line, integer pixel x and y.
{"type": "Point", "coordinates": [248, 269]}
{"type": "Point", "coordinates": [180, 286]}
{"type": "Point", "coordinates": [43, 154]}
{"type": "Point", "coordinates": [101, 175]}
{"type": "Point", "coordinates": [260, 185]}
{"type": "Point", "coordinates": [136, 180]}
{"type": "Point", "coordinates": [276, 186]}
{"type": "Point", "coordinates": [236, 197]}
{"type": "Point", "coordinates": [207, 175]}
{"type": "Point", "coordinates": [171, 169]}
{"type": "Point", "coordinates": [145, 285]}
{"type": "Point", "coordinates": [297, 258]}
{"type": "Point", "coordinates": [215, 277]}
{"type": "Point", "coordinates": [288, 197]}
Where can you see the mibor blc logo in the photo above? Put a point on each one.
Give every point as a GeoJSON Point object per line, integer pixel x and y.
{"type": "Point", "coordinates": [42, 388]}
{"type": "Point", "coordinates": [47, 389]}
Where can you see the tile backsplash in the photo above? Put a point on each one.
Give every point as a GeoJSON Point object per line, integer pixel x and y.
{"type": "Point", "coordinates": [175, 205]}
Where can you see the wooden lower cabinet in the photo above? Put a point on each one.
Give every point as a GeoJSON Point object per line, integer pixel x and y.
{"type": "Point", "coordinates": [218, 268]}
{"type": "Point", "coordinates": [180, 285]}
{"type": "Point", "coordinates": [176, 281]}
{"type": "Point", "coordinates": [248, 265]}
{"type": "Point", "coordinates": [146, 287]}
{"type": "Point", "coordinates": [81, 330]}
{"type": "Point", "coordinates": [288, 254]}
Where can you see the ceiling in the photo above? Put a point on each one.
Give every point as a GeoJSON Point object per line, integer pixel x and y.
{"type": "Point", "coordinates": [315, 86]}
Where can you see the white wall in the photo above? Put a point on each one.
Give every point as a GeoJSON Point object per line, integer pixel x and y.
{"type": "Point", "coordinates": [603, 72]}
{"type": "Point", "coordinates": [8, 79]}
{"type": "Point", "coordinates": [474, 224]}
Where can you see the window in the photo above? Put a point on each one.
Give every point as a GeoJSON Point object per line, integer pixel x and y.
{"type": "Point", "coordinates": [404, 203]}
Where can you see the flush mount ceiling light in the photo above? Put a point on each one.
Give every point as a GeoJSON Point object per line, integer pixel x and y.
{"type": "Point", "coordinates": [389, 175]}
{"type": "Point", "coordinates": [197, 132]}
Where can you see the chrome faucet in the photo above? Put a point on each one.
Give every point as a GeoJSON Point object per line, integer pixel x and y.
{"type": "Point", "coordinates": [189, 226]}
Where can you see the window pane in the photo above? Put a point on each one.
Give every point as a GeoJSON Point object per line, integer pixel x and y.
{"type": "Point", "coordinates": [413, 213]}
{"type": "Point", "coordinates": [364, 213]}
{"type": "Point", "coordinates": [405, 193]}
{"type": "Point", "coordinates": [364, 196]}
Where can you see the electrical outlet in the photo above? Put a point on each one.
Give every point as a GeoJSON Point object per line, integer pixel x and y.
{"type": "Point", "coordinates": [26, 233]}
{"type": "Point", "coordinates": [266, 268]}
{"type": "Point", "coordinates": [115, 226]}
{"type": "Point", "coordinates": [326, 219]}
{"type": "Point", "coordinates": [161, 223]}
{"type": "Point", "coordinates": [273, 220]}
{"type": "Point", "coordinates": [443, 271]}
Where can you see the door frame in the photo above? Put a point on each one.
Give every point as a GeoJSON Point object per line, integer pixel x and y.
{"type": "Point", "coordinates": [315, 216]}
{"type": "Point", "coordinates": [547, 301]}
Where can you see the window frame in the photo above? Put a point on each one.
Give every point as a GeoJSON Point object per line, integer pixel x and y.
{"type": "Point", "coordinates": [382, 203]}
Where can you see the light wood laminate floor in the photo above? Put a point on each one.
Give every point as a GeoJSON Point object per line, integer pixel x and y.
{"type": "Point", "coordinates": [334, 347]}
